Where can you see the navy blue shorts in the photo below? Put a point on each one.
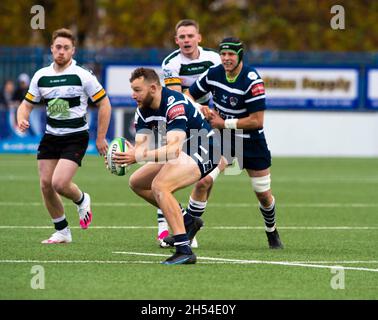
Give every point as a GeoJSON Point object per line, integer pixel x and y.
{"type": "Point", "coordinates": [71, 147]}
{"type": "Point", "coordinates": [254, 153]}
{"type": "Point", "coordinates": [207, 155]}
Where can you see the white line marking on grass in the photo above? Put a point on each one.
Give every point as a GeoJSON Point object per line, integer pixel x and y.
{"type": "Point", "coordinates": [208, 227]}
{"type": "Point", "coordinates": [340, 261]}
{"type": "Point", "coordinates": [294, 228]}
{"type": "Point", "coordinates": [282, 263]}
{"type": "Point", "coordinates": [211, 204]}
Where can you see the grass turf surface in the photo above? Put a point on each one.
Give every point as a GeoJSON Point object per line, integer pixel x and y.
{"type": "Point", "coordinates": [326, 214]}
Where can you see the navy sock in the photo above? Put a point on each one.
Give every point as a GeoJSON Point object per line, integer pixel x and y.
{"type": "Point", "coordinates": [188, 219]}
{"type": "Point", "coordinates": [196, 208]}
{"type": "Point", "coordinates": [182, 243]}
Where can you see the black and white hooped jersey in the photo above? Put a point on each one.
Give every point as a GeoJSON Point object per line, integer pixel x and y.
{"type": "Point", "coordinates": [66, 97]}
{"type": "Point", "coordinates": [176, 112]}
{"type": "Point", "coordinates": [237, 99]}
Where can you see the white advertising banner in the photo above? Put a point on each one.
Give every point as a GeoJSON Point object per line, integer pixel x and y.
{"type": "Point", "coordinates": [313, 88]}
{"type": "Point", "coordinates": [117, 84]}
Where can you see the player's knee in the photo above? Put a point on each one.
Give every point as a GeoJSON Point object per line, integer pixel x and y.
{"type": "Point", "coordinates": [204, 184]}
{"type": "Point", "coordinates": [59, 186]}
{"type": "Point", "coordinates": [45, 185]}
{"type": "Point", "coordinates": [157, 189]}
{"type": "Point", "coordinates": [133, 182]}
{"type": "Point", "coordinates": [261, 184]}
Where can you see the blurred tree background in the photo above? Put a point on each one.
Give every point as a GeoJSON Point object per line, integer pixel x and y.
{"type": "Point", "coordinates": [292, 25]}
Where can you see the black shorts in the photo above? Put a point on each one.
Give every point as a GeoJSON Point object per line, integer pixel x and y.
{"type": "Point", "coordinates": [71, 147]}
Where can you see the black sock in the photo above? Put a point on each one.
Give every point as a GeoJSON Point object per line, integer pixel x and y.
{"type": "Point", "coordinates": [81, 199]}
{"type": "Point", "coordinates": [182, 244]}
{"type": "Point", "coordinates": [61, 224]}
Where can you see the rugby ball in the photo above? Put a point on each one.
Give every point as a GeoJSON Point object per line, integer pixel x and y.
{"type": "Point", "coordinates": [116, 145]}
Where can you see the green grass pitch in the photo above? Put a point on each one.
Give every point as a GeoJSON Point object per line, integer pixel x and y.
{"type": "Point", "coordinates": [326, 214]}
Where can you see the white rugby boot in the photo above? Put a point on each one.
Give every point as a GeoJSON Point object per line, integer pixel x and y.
{"type": "Point", "coordinates": [60, 236]}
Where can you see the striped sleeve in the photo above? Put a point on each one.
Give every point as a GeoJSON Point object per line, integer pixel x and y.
{"type": "Point", "coordinates": [174, 81]}
{"type": "Point", "coordinates": [140, 124]}
{"type": "Point", "coordinates": [93, 88]}
{"type": "Point", "coordinates": [176, 117]}
{"type": "Point", "coordinates": [255, 96]}
{"type": "Point", "coordinates": [199, 88]}
{"type": "Point", "coordinates": [98, 96]}
{"type": "Point", "coordinates": [33, 95]}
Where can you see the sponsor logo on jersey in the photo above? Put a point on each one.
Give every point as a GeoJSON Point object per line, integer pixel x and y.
{"type": "Point", "coordinates": [258, 89]}
{"type": "Point", "coordinates": [58, 108]}
{"type": "Point", "coordinates": [176, 111]}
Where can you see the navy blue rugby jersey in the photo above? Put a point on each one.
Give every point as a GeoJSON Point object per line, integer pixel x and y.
{"type": "Point", "coordinates": [175, 112]}
{"type": "Point", "coordinates": [236, 99]}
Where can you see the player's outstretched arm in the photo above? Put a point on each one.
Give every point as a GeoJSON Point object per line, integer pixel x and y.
{"type": "Point", "coordinates": [23, 113]}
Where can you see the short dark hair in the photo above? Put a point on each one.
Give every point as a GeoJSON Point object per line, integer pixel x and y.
{"type": "Point", "coordinates": [64, 33]}
{"type": "Point", "coordinates": [149, 75]}
{"type": "Point", "coordinates": [187, 23]}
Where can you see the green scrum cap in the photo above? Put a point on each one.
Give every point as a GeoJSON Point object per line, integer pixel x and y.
{"type": "Point", "coordinates": [232, 44]}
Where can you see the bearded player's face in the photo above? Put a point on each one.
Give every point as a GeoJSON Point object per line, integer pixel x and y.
{"type": "Point", "coordinates": [141, 93]}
